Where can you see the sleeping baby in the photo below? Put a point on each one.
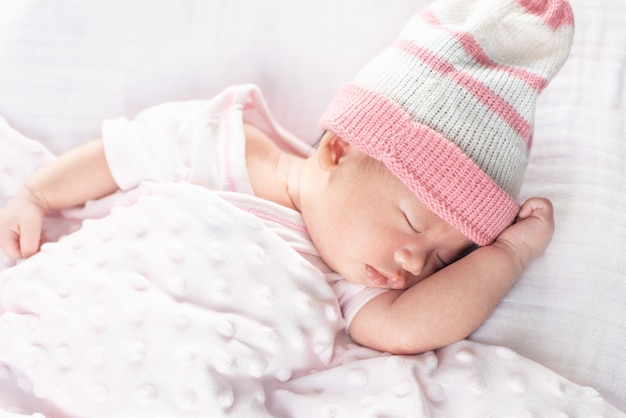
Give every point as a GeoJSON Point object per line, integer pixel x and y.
{"type": "Point", "coordinates": [403, 217]}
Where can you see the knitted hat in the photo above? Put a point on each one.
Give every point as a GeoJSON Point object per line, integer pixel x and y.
{"type": "Point", "coordinates": [449, 107]}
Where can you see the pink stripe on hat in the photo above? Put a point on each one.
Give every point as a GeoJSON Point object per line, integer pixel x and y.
{"type": "Point", "coordinates": [411, 111]}
{"type": "Point", "coordinates": [474, 87]}
{"type": "Point", "coordinates": [554, 13]}
{"type": "Point", "coordinates": [473, 48]}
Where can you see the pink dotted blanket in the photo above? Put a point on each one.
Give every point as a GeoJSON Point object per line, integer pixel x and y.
{"type": "Point", "coordinates": [178, 304]}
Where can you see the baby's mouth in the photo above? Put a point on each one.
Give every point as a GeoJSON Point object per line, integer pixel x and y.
{"type": "Point", "coordinates": [377, 277]}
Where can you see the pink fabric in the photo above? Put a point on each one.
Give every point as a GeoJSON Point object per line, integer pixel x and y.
{"type": "Point", "coordinates": [473, 48]}
{"type": "Point", "coordinates": [554, 13]}
{"type": "Point", "coordinates": [273, 218]}
{"type": "Point", "coordinates": [230, 180]}
{"type": "Point", "coordinates": [449, 182]}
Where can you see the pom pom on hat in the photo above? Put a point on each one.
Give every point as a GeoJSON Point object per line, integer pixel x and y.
{"type": "Point", "coordinates": [449, 107]}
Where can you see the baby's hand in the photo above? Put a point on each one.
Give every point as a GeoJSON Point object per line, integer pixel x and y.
{"type": "Point", "coordinates": [529, 236]}
{"type": "Point", "coordinates": [20, 225]}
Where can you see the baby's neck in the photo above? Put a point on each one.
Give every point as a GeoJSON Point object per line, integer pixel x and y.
{"type": "Point", "coordinates": [273, 172]}
{"type": "Point", "coordinates": [288, 168]}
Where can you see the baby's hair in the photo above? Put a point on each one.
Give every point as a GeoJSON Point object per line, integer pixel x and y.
{"type": "Point", "coordinates": [316, 144]}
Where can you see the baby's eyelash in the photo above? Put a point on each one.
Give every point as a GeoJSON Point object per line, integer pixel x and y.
{"type": "Point", "coordinates": [443, 263]}
{"type": "Point", "coordinates": [409, 222]}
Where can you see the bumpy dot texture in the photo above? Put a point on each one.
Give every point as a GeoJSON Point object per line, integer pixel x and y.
{"type": "Point", "coordinates": [465, 379]}
{"type": "Point", "coordinates": [178, 305]}
{"type": "Point", "coordinates": [180, 302]}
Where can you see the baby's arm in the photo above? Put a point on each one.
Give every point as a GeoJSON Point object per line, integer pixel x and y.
{"type": "Point", "coordinates": [449, 305]}
{"type": "Point", "coordinates": [72, 179]}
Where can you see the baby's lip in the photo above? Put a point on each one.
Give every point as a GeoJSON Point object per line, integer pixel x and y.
{"type": "Point", "coordinates": [377, 277]}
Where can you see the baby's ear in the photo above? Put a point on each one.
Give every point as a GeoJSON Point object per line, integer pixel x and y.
{"type": "Point", "coordinates": [331, 150]}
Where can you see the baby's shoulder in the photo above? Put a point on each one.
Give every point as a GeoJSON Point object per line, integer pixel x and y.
{"type": "Point", "coordinates": [258, 144]}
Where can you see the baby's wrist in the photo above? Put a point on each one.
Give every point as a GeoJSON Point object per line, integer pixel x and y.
{"type": "Point", "coordinates": [513, 253]}
{"type": "Point", "coordinates": [27, 194]}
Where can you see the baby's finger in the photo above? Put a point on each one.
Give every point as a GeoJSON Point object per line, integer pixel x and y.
{"type": "Point", "coordinates": [30, 238]}
{"type": "Point", "coordinates": [526, 210]}
{"type": "Point", "coordinates": [9, 245]}
{"type": "Point", "coordinates": [535, 205]}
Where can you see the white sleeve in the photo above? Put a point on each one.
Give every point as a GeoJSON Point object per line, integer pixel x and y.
{"type": "Point", "coordinates": [352, 297]}
{"type": "Point", "coordinates": [156, 145]}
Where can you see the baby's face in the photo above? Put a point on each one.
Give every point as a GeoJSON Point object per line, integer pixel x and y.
{"type": "Point", "coordinates": [369, 227]}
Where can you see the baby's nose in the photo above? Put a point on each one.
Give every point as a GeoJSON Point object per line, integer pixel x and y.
{"type": "Point", "coordinates": [411, 262]}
